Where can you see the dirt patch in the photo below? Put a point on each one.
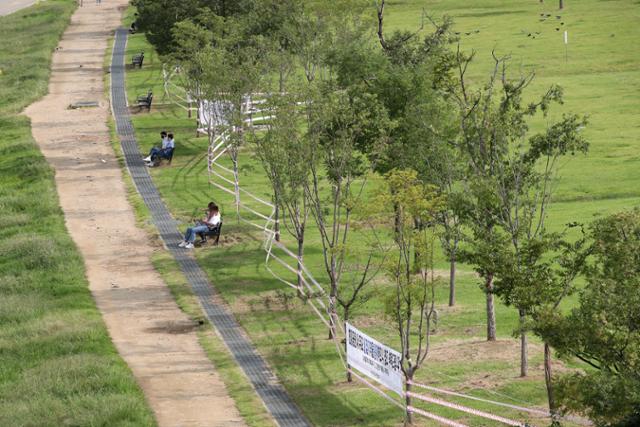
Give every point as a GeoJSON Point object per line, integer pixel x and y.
{"type": "Point", "coordinates": [377, 322]}
{"type": "Point", "coordinates": [172, 327]}
{"type": "Point", "coordinates": [478, 351]}
{"type": "Point", "coordinates": [154, 337]}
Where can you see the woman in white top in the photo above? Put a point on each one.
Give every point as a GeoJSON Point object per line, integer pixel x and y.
{"type": "Point", "coordinates": [211, 220]}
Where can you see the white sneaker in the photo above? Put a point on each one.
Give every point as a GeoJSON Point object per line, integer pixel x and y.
{"type": "Point", "coordinates": [189, 245]}
{"type": "Point", "coordinates": [182, 244]}
{"type": "Point", "coordinates": [147, 159]}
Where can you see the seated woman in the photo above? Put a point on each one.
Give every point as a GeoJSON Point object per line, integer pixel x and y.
{"type": "Point", "coordinates": [211, 220]}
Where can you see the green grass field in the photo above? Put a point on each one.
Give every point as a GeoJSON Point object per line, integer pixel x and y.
{"type": "Point", "coordinates": [601, 78]}
{"type": "Point", "coordinates": [58, 366]}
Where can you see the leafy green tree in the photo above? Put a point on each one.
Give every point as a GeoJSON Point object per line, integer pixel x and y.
{"type": "Point", "coordinates": [482, 143]}
{"type": "Point", "coordinates": [157, 18]}
{"type": "Point", "coordinates": [285, 154]}
{"type": "Point", "coordinates": [221, 63]}
{"type": "Point", "coordinates": [507, 186]}
{"type": "Point", "coordinates": [522, 169]}
{"type": "Point", "coordinates": [409, 75]}
{"type": "Point", "coordinates": [278, 21]}
{"type": "Point", "coordinates": [195, 34]}
{"type": "Point", "coordinates": [536, 279]}
{"type": "Point", "coordinates": [604, 329]}
{"type": "Point", "coordinates": [411, 301]}
{"type": "Point", "coordinates": [343, 127]}
{"type": "Point", "coordinates": [509, 189]}
{"type": "Point", "coordinates": [524, 182]}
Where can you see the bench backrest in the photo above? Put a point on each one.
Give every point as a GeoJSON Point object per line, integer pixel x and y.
{"type": "Point", "coordinates": [168, 153]}
{"type": "Point", "coordinates": [138, 59]}
{"type": "Point", "coordinates": [217, 229]}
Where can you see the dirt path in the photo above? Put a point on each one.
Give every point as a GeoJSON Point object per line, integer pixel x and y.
{"type": "Point", "coordinates": [153, 336]}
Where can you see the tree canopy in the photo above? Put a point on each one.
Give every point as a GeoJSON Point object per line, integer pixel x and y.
{"type": "Point", "coordinates": [604, 329]}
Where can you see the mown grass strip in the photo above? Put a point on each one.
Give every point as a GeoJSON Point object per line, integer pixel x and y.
{"type": "Point", "coordinates": [57, 363]}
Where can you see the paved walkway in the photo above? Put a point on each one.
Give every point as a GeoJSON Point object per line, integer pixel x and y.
{"type": "Point", "coordinates": [9, 6]}
{"type": "Point", "coordinates": [154, 337]}
{"type": "Point", "coordinates": [275, 398]}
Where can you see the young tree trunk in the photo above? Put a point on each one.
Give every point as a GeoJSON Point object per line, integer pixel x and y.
{"type": "Point", "coordinates": [452, 275]}
{"type": "Point", "coordinates": [276, 224]}
{"type": "Point", "coordinates": [333, 294]}
{"type": "Point", "coordinates": [491, 310]}
{"type": "Point", "coordinates": [299, 266]}
{"type": "Point", "coordinates": [346, 319]}
{"type": "Point", "coordinates": [281, 82]}
{"type": "Point", "coordinates": [547, 380]}
{"type": "Point", "coordinates": [408, 420]}
{"type": "Point", "coordinates": [396, 220]}
{"type": "Point", "coordinates": [417, 225]}
{"type": "Point", "coordinates": [524, 362]}
{"type": "Point", "coordinates": [236, 179]}
{"type": "Point", "coordinates": [561, 5]}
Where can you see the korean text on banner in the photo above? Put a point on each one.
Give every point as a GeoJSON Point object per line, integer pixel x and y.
{"type": "Point", "coordinates": [374, 359]}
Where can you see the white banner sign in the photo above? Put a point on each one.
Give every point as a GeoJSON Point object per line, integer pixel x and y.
{"type": "Point", "coordinates": [213, 113]}
{"type": "Point", "coordinates": [374, 359]}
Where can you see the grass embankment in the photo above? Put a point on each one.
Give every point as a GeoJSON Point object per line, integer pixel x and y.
{"type": "Point", "coordinates": [57, 363]}
{"type": "Point", "coordinates": [599, 78]}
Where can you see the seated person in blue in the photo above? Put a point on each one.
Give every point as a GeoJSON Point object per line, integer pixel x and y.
{"type": "Point", "coordinates": [155, 150]}
{"type": "Point", "coordinates": [156, 153]}
{"type": "Point", "coordinates": [210, 221]}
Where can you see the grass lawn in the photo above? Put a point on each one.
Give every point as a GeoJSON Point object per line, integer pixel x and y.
{"type": "Point", "coordinates": [601, 78]}
{"type": "Point", "coordinates": [57, 363]}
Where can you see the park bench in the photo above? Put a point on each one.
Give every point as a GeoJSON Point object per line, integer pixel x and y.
{"type": "Point", "coordinates": [137, 60]}
{"type": "Point", "coordinates": [212, 232]}
{"type": "Point", "coordinates": [145, 101]}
